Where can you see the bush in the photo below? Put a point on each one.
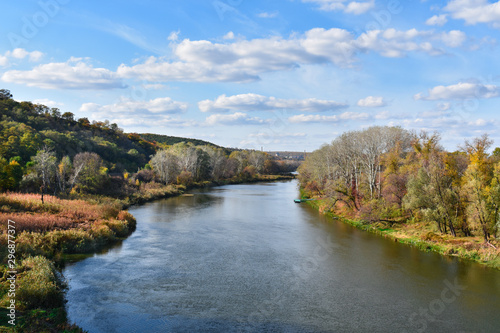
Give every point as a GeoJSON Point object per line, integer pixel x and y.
{"type": "Point", "coordinates": [249, 172]}
{"type": "Point", "coordinates": [185, 178]}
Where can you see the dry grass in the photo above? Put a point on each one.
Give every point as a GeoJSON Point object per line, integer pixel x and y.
{"type": "Point", "coordinates": [54, 214]}
{"type": "Point", "coordinates": [61, 226]}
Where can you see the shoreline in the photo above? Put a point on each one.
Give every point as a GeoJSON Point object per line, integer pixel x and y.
{"type": "Point", "coordinates": [420, 236]}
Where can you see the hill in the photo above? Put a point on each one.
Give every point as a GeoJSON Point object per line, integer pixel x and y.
{"type": "Point", "coordinates": [26, 127]}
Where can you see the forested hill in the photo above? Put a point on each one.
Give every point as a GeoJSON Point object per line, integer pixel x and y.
{"type": "Point", "coordinates": [172, 140]}
{"type": "Point", "coordinates": [26, 127]}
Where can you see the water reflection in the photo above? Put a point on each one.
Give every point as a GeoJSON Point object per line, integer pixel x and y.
{"type": "Point", "coordinates": [246, 258]}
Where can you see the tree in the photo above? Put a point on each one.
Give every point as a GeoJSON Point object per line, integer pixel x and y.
{"type": "Point", "coordinates": [45, 168]}
{"type": "Point", "coordinates": [68, 116]}
{"type": "Point", "coordinates": [165, 165]}
{"type": "Point", "coordinates": [217, 161]}
{"type": "Point", "coordinates": [478, 181]}
{"type": "Point", "coordinates": [89, 173]}
{"type": "Point", "coordinates": [5, 95]}
{"type": "Point", "coordinates": [257, 159]}
{"type": "Point", "coordinates": [63, 173]}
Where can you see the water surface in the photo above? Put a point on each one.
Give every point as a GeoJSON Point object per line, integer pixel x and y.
{"type": "Point", "coordinates": [246, 258]}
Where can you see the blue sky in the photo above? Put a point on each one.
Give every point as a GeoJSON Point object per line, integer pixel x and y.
{"type": "Point", "coordinates": [283, 75]}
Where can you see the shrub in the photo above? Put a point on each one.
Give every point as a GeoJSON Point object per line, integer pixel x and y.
{"type": "Point", "coordinates": [249, 172]}
{"type": "Point", "coordinates": [185, 178]}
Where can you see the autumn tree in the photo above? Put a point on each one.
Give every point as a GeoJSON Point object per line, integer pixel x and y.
{"type": "Point", "coordinates": [478, 181]}
{"type": "Point", "coordinates": [165, 165]}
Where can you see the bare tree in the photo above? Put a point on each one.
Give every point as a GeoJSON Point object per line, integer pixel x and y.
{"type": "Point", "coordinates": [165, 165]}
{"type": "Point", "coordinates": [45, 168]}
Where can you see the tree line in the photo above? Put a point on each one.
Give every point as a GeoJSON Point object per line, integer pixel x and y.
{"type": "Point", "coordinates": [391, 174]}
{"type": "Point", "coordinates": [45, 151]}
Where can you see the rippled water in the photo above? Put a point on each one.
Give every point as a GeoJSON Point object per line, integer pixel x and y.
{"type": "Point", "coordinates": [246, 258]}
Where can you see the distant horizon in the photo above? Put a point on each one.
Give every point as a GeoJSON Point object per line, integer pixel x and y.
{"type": "Point", "coordinates": [250, 74]}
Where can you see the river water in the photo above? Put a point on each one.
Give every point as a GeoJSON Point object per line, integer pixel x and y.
{"type": "Point", "coordinates": [246, 258]}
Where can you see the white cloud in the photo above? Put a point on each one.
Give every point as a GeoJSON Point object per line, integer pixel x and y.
{"type": "Point", "coordinates": [73, 74]}
{"type": "Point", "coordinates": [47, 102]}
{"type": "Point", "coordinates": [35, 56]}
{"type": "Point", "coordinates": [454, 38]}
{"type": "Point", "coordinates": [19, 54]}
{"type": "Point", "coordinates": [229, 36]}
{"type": "Point", "coordinates": [316, 118]}
{"type": "Point", "coordinates": [358, 8]}
{"type": "Point", "coordinates": [155, 112]}
{"type": "Point", "coordinates": [237, 118]}
{"type": "Point", "coordinates": [174, 36]}
{"type": "Point", "coordinates": [460, 91]}
{"type": "Point", "coordinates": [474, 11]}
{"type": "Point", "coordinates": [372, 102]}
{"type": "Point", "coordinates": [164, 105]}
{"type": "Point", "coordinates": [438, 20]}
{"type": "Point", "coordinates": [352, 7]}
{"type": "Point", "coordinates": [393, 43]}
{"type": "Point", "coordinates": [246, 60]}
{"type": "Point", "coordinates": [254, 102]}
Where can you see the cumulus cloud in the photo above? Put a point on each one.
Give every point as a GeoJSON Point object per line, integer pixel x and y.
{"type": "Point", "coordinates": [254, 102]}
{"type": "Point", "coordinates": [126, 112]}
{"type": "Point", "coordinates": [246, 60]}
{"type": "Point", "coordinates": [460, 91]}
{"type": "Point", "coordinates": [372, 102]}
{"type": "Point", "coordinates": [438, 20]}
{"type": "Point", "coordinates": [237, 118]}
{"type": "Point", "coordinates": [316, 118]}
{"type": "Point", "coordinates": [393, 43]}
{"type": "Point", "coordinates": [352, 7]}
{"type": "Point", "coordinates": [19, 54]}
{"type": "Point", "coordinates": [73, 74]}
{"type": "Point", "coordinates": [161, 105]}
{"type": "Point", "coordinates": [474, 11]}
{"type": "Point", "coordinates": [454, 38]}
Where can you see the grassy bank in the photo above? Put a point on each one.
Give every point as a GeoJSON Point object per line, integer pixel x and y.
{"type": "Point", "coordinates": [424, 236]}
{"type": "Point", "coordinates": [44, 233]}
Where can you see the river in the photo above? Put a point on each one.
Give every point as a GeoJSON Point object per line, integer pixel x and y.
{"type": "Point", "coordinates": [246, 258]}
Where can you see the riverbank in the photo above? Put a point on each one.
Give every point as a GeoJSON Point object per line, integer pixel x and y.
{"type": "Point", "coordinates": [423, 236]}
{"type": "Point", "coordinates": [46, 233]}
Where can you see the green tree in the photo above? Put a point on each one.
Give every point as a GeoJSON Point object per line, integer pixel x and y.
{"type": "Point", "coordinates": [5, 94]}
{"type": "Point", "coordinates": [89, 173]}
